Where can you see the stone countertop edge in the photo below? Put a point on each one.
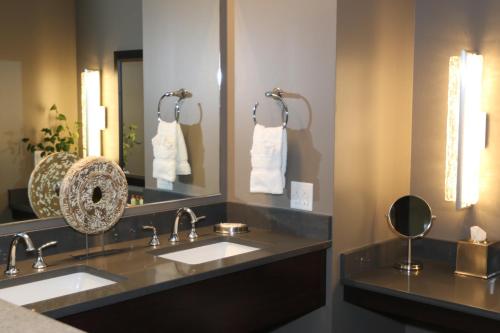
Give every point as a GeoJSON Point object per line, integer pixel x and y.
{"type": "Point", "coordinates": [370, 268]}
{"type": "Point", "coordinates": [275, 246]}
{"type": "Point", "coordinates": [15, 319]}
{"type": "Point", "coordinates": [422, 299]}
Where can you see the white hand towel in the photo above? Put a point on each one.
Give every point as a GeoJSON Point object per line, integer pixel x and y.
{"type": "Point", "coordinates": [170, 153]}
{"type": "Point", "coordinates": [269, 154]}
{"type": "Point", "coordinates": [165, 151]}
{"type": "Point", "coordinates": [182, 166]}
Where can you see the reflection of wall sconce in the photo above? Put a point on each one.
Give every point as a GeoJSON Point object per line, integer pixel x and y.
{"type": "Point", "coordinates": [93, 114]}
{"type": "Point", "coordinates": [466, 129]}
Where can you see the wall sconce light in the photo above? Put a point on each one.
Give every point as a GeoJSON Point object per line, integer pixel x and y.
{"type": "Point", "coordinates": [93, 114]}
{"type": "Point", "coordinates": [466, 129]}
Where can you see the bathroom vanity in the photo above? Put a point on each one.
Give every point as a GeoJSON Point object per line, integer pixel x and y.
{"type": "Point", "coordinates": [279, 276]}
{"type": "Point", "coordinates": [434, 296]}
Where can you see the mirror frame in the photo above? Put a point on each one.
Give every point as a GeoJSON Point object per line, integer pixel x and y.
{"type": "Point", "coordinates": [59, 222]}
{"type": "Point", "coordinates": [426, 230]}
{"type": "Point", "coordinates": [120, 58]}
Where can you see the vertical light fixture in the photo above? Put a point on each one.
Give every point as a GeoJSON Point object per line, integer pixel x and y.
{"type": "Point", "coordinates": [466, 129]}
{"type": "Point", "coordinates": [93, 114]}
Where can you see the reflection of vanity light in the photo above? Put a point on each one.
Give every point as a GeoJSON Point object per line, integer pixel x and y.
{"type": "Point", "coordinates": [93, 114]}
{"type": "Point", "coordinates": [219, 73]}
{"type": "Point", "coordinates": [465, 131]}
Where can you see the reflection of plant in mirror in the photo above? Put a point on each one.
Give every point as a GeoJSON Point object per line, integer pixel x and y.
{"type": "Point", "coordinates": [57, 139]}
{"type": "Point", "coordinates": [129, 141]}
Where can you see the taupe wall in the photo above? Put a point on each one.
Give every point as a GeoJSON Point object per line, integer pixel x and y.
{"type": "Point", "coordinates": [182, 50]}
{"type": "Point", "coordinates": [372, 134]}
{"type": "Point", "coordinates": [443, 28]}
{"type": "Point", "coordinates": [37, 69]}
{"type": "Point", "coordinates": [288, 44]}
{"type": "Point", "coordinates": [103, 27]}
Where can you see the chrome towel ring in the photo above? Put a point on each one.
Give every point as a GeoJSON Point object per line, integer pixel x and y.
{"type": "Point", "coordinates": [277, 95]}
{"type": "Point", "coordinates": [181, 94]}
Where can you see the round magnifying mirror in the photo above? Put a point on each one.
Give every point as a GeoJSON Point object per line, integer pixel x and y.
{"type": "Point", "coordinates": [410, 217]}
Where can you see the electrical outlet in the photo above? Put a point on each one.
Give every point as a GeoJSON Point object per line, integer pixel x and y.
{"type": "Point", "coordinates": [302, 196]}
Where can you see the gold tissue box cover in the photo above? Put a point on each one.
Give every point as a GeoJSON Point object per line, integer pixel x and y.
{"type": "Point", "coordinates": [478, 259]}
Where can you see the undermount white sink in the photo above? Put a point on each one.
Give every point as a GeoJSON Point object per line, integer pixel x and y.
{"type": "Point", "coordinates": [206, 253]}
{"type": "Point", "coordinates": [45, 289]}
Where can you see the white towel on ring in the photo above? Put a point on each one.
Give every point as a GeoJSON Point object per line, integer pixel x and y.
{"type": "Point", "coordinates": [268, 155]}
{"type": "Point", "coordinates": [170, 153]}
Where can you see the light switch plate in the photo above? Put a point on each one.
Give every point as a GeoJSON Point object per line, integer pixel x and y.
{"type": "Point", "coordinates": [301, 196]}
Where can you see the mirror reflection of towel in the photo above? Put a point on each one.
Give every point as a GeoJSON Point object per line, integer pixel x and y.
{"type": "Point", "coordinates": [170, 153]}
{"type": "Point", "coordinates": [269, 154]}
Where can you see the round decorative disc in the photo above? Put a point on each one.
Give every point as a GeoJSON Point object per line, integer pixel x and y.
{"type": "Point", "coordinates": [45, 181]}
{"type": "Point", "coordinates": [93, 195]}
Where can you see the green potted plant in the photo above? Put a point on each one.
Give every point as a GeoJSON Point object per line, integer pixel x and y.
{"type": "Point", "coordinates": [129, 142]}
{"type": "Point", "coordinates": [59, 138]}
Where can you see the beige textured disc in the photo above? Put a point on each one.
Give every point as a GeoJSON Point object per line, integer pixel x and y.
{"type": "Point", "coordinates": [93, 195]}
{"type": "Point", "coordinates": [44, 183]}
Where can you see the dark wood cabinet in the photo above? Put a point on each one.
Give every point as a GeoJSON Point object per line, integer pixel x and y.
{"type": "Point", "coordinates": [253, 300]}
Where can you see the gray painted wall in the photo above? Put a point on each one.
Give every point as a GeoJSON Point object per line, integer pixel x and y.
{"type": "Point", "coordinates": [182, 50]}
{"type": "Point", "coordinates": [103, 27]}
{"type": "Point", "coordinates": [372, 135]}
{"type": "Point", "coordinates": [443, 28]}
{"type": "Point", "coordinates": [288, 44]}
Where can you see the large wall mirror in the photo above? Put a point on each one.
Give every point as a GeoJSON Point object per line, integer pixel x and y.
{"type": "Point", "coordinates": [90, 73]}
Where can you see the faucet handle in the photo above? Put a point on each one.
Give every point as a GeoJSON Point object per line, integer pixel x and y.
{"type": "Point", "coordinates": [198, 219]}
{"type": "Point", "coordinates": [193, 234]}
{"type": "Point", "coordinates": [39, 262]}
{"type": "Point", "coordinates": [155, 241]}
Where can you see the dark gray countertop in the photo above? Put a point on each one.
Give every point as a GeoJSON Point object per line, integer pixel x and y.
{"type": "Point", "coordinates": [436, 285]}
{"type": "Point", "coordinates": [145, 273]}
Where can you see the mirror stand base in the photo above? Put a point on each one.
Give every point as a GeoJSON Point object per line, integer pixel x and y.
{"type": "Point", "coordinates": [409, 266]}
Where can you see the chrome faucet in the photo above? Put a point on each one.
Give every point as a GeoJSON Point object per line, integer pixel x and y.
{"type": "Point", "coordinates": [11, 264]}
{"type": "Point", "coordinates": [174, 237]}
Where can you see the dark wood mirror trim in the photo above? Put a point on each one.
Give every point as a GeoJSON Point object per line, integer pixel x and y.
{"type": "Point", "coordinates": [120, 58]}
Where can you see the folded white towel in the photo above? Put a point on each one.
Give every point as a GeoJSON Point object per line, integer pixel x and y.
{"type": "Point", "coordinates": [170, 153]}
{"type": "Point", "coordinates": [164, 185]}
{"type": "Point", "coordinates": [164, 169]}
{"type": "Point", "coordinates": [182, 166]}
{"type": "Point", "coordinates": [165, 141]}
{"type": "Point", "coordinates": [269, 154]}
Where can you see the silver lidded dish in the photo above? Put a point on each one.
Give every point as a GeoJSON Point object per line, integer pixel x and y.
{"type": "Point", "coordinates": [230, 228]}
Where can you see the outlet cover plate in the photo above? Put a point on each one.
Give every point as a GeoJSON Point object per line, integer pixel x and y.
{"type": "Point", "coordinates": [301, 196]}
